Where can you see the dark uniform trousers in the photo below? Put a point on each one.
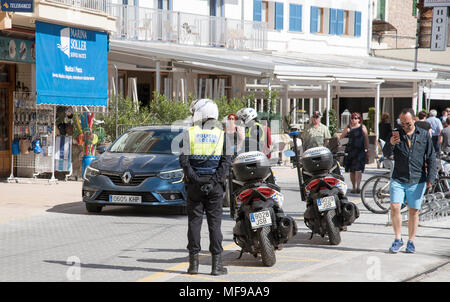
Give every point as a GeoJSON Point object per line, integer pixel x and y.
{"type": "Point", "coordinates": [197, 204]}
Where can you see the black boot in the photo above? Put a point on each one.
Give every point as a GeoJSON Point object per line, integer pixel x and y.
{"type": "Point", "coordinates": [217, 266]}
{"type": "Point", "coordinates": [193, 264]}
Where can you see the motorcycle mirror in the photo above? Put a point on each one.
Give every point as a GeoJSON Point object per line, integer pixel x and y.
{"type": "Point", "coordinates": [294, 133]}
{"type": "Point", "coordinates": [289, 153]}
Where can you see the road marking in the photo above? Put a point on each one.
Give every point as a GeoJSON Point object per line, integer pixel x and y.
{"type": "Point", "coordinates": [300, 258]}
{"type": "Point", "coordinates": [292, 275]}
{"type": "Point", "coordinates": [168, 273]}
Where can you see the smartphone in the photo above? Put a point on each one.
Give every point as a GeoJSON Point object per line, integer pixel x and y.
{"type": "Point", "coordinates": [396, 134]}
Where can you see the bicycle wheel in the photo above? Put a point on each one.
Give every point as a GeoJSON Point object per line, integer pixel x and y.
{"type": "Point", "coordinates": [442, 184]}
{"type": "Point", "coordinates": [375, 194]}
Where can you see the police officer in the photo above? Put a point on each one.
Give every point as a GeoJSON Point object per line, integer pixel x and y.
{"type": "Point", "coordinates": [206, 165]}
{"type": "Point", "coordinates": [254, 131]}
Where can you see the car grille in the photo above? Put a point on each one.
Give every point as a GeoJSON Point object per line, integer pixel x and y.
{"type": "Point", "coordinates": [136, 180]}
{"type": "Point", "coordinates": [146, 196]}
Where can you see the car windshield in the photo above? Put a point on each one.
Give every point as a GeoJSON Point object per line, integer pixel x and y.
{"type": "Point", "coordinates": [145, 141]}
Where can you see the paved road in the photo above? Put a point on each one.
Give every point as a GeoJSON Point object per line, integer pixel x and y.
{"type": "Point", "coordinates": [56, 240]}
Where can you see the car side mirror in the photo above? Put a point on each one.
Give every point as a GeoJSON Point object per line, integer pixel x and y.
{"type": "Point", "coordinates": [289, 153]}
{"type": "Point", "coordinates": [101, 149]}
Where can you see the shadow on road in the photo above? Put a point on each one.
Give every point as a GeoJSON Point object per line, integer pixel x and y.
{"type": "Point", "coordinates": [116, 267]}
{"type": "Point", "coordinates": [78, 208]}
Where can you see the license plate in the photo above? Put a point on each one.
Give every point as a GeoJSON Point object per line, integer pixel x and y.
{"type": "Point", "coordinates": [326, 203]}
{"type": "Point", "coordinates": [125, 199]}
{"type": "Point", "coordinates": [260, 219]}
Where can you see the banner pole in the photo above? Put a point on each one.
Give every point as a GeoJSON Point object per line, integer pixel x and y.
{"type": "Point", "coordinates": [53, 179]}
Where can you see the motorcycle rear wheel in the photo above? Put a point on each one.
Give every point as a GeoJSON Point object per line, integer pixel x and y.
{"type": "Point", "coordinates": [333, 232]}
{"type": "Point", "coordinates": [267, 248]}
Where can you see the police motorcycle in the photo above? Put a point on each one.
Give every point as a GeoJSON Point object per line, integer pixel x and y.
{"type": "Point", "coordinates": [261, 225]}
{"type": "Point", "coordinates": [328, 211]}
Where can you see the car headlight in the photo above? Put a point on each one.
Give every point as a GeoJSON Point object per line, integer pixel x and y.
{"type": "Point", "coordinates": [90, 172]}
{"type": "Point", "coordinates": [174, 175]}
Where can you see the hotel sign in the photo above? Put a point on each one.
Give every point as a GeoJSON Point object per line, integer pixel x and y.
{"type": "Point", "coordinates": [439, 29]}
{"type": "Point", "coordinates": [433, 3]}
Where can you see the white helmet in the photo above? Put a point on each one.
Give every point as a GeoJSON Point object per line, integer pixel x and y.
{"type": "Point", "coordinates": [204, 109]}
{"type": "Point", "coordinates": [247, 114]}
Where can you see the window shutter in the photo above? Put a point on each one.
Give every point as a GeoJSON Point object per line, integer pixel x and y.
{"type": "Point", "coordinates": [333, 21]}
{"type": "Point", "coordinates": [382, 9]}
{"type": "Point", "coordinates": [357, 24]}
{"type": "Point", "coordinates": [257, 7]}
{"type": "Point", "coordinates": [314, 19]}
{"type": "Point", "coordinates": [340, 22]}
{"type": "Point", "coordinates": [414, 8]}
{"type": "Point", "coordinates": [295, 17]}
{"type": "Point", "coordinates": [279, 15]}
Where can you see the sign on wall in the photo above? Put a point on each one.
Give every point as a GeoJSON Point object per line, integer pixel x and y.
{"type": "Point", "coordinates": [17, 50]}
{"type": "Point", "coordinates": [439, 29]}
{"type": "Point", "coordinates": [25, 6]}
{"type": "Point", "coordinates": [432, 3]}
{"type": "Point", "coordinates": [71, 66]}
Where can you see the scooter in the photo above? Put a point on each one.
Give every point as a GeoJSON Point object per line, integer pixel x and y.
{"type": "Point", "coordinates": [261, 225]}
{"type": "Point", "coordinates": [328, 211]}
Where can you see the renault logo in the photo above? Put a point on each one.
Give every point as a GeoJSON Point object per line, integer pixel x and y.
{"type": "Point", "coordinates": [126, 177]}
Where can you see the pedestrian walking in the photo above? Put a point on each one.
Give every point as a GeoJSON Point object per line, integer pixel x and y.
{"type": "Point", "coordinates": [206, 164]}
{"type": "Point", "coordinates": [444, 138]}
{"type": "Point", "coordinates": [412, 148]}
{"type": "Point", "coordinates": [385, 127]}
{"type": "Point", "coordinates": [423, 123]}
{"type": "Point", "coordinates": [315, 134]}
{"type": "Point", "coordinates": [234, 134]}
{"type": "Point", "coordinates": [356, 150]}
{"type": "Point", "coordinates": [436, 127]}
{"type": "Point", "coordinates": [445, 114]}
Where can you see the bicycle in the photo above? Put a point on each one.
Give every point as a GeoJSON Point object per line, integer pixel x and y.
{"type": "Point", "coordinates": [375, 192]}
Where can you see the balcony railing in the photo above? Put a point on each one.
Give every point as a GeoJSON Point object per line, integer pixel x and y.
{"type": "Point", "coordinates": [92, 5]}
{"type": "Point", "coordinates": [146, 24]}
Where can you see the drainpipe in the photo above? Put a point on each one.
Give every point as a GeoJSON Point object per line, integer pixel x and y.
{"type": "Point", "coordinates": [369, 27]}
{"type": "Point", "coordinates": [116, 83]}
{"type": "Point", "coordinates": [158, 76]}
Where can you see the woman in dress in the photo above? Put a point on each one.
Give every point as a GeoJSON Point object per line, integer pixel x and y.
{"type": "Point", "coordinates": [234, 133]}
{"type": "Point", "coordinates": [356, 149]}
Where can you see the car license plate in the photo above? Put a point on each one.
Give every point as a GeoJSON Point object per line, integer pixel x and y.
{"type": "Point", "coordinates": [326, 203]}
{"type": "Point", "coordinates": [125, 199]}
{"type": "Point", "coordinates": [260, 219]}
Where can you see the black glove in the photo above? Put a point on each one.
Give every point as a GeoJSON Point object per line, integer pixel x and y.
{"type": "Point", "coordinates": [206, 188]}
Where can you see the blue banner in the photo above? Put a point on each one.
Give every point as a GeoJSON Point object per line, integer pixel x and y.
{"type": "Point", "coordinates": [71, 66]}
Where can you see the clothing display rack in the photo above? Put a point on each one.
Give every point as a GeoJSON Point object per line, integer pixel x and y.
{"type": "Point", "coordinates": [35, 125]}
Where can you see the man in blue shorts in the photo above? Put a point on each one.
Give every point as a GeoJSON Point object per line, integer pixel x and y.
{"type": "Point", "coordinates": [414, 170]}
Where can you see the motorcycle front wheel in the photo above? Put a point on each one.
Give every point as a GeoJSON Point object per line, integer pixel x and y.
{"type": "Point", "coordinates": [333, 231]}
{"type": "Point", "coordinates": [267, 248]}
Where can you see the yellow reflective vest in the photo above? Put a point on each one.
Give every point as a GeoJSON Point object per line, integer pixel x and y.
{"type": "Point", "coordinates": [206, 148]}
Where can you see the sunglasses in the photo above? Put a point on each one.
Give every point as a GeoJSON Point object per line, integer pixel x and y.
{"type": "Point", "coordinates": [355, 118]}
{"type": "Point", "coordinates": [406, 124]}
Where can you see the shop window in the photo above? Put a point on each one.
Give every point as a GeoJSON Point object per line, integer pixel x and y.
{"type": "Point", "coordinates": [213, 86]}
{"type": "Point", "coordinates": [4, 73]}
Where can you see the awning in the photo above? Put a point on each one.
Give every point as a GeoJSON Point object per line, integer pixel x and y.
{"type": "Point", "coordinates": [71, 66]}
{"type": "Point", "coordinates": [279, 65]}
